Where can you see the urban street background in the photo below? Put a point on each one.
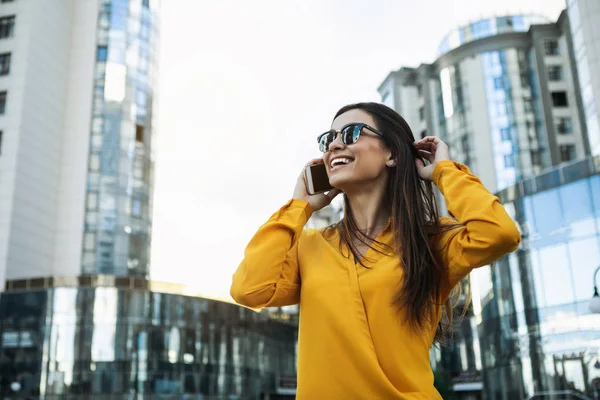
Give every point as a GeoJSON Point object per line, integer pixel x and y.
{"type": "Point", "coordinates": [143, 142]}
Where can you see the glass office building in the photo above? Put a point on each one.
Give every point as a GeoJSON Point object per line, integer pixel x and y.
{"type": "Point", "coordinates": [536, 331]}
{"type": "Point", "coordinates": [106, 337]}
{"type": "Point", "coordinates": [120, 172]}
{"type": "Point", "coordinates": [505, 94]}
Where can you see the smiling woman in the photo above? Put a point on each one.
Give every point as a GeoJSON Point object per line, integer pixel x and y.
{"type": "Point", "coordinates": [373, 288]}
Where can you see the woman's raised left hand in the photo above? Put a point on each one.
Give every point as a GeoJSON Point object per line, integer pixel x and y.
{"type": "Point", "coordinates": [432, 149]}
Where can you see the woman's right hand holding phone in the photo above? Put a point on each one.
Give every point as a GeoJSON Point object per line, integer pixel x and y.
{"type": "Point", "coordinates": [316, 201]}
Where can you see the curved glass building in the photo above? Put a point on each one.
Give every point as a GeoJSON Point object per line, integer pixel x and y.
{"type": "Point", "coordinates": [506, 95]}
{"type": "Point", "coordinates": [488, 27]}
{"type": "Point", "coordinates": [503, 94]}
{"type": "Point", "coordinates": [112, 337]}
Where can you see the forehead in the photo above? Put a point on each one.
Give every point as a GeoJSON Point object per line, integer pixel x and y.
{"type": "Point", "coordinates": [354, 115]}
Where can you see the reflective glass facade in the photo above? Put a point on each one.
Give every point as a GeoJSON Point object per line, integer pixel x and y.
{"type": "Point", "coordinates": [119, 189]}
{"type": "Point", "coordinates": [488, 27]}
{"type": "Point", "coordinates": [453, 106]}
{"type": "Point", "coordinates": [503, 109]}
{"type": "Point", "coordinates": [109, 342]}
{"type": "Point", "coordinates": [510, 109]}
{"type": "Point", "coordinates": [535, 329]}
{"type": "Point", "coordinates": [517, 144]}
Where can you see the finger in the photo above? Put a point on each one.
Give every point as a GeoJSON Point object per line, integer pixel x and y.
{"type": "Point", "coordinates": [315, 161]}
{"type": "Point", "coordinates": [427, 155]}
{"type": "Point", "coordinates": [333, 193]}
{"type": "Point", "coordinates": [426, 146]}
{"type": "Point", "coordinates": [433, 139]}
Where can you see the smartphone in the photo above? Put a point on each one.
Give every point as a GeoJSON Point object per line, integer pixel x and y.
{"type": "Point", "coordinates": [317, 179]}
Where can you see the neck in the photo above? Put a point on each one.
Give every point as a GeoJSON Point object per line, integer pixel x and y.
{"type": "Point", "coordinates": [368, 208]}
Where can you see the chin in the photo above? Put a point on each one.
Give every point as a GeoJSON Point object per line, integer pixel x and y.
{"type": "Point", "coordinates": [340, 182]}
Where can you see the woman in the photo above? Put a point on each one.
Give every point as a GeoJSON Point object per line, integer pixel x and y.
{"type": "Point", "coordinates": [371, 288]}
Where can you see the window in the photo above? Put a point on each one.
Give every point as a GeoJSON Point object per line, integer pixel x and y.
{"type": "Point", "coordinates": [423, 133]}
{"type": "Point", "coordinates": [498, 83]}
{"type": "Point", "coordinates": [7, 25]}
{"type": "Point", "coordinates": [559, 99]}
{"type": "Point", "coordinates": [385, 96]}
{"type": "Point", "coordinates": [4, 63]}
{"type": "Point", "coordinates": [1, 142]}
{"type": "Point", "coordinates": [505, 133]}
{"type": "Point", "coordinates": [464, 142]}
{"type": "Point", "coordinates": [564, 125]}
{"type": "Point", "coordinates": [524, 80]}
{"type": "Point", "coordinates": [2, 102]}
{"type": "Point", "coordinates": [555, 73]}
{"type": "Point", "coordinates": [551, 48]}
{"type": "Point", "coordinates": [101, 54]}
{"type": "Point", "coordinates": [420, 90]}
{"type": "Point", "coordinates": [567, 152]}
{"type": "Point", "coordinates": [536, 157]}
{"type": "Point", "coordinates": [139, 133]}
{"type": "Point", "coordinates": [421, 113]}
{"type": "Point", "coordinates": [146, 3]}
{"type": "Point", "coordinates": [7, 1]}
{"type": "Point", "coordinates": [509, 160]}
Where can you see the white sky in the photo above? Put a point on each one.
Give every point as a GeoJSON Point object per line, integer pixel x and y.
{"type": "Point", "coordinates": [246, 86]}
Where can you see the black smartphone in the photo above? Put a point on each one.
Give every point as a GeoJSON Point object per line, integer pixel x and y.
{"type": "Point", "coordinates": [317, 179]}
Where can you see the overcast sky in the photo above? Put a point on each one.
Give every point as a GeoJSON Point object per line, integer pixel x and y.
{"type": "Point", "coordinates": [246, 86]}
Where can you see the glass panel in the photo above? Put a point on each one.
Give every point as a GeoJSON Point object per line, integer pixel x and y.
{"type": "Point", "coordinates": [538, 281]}
{"type": "Point", "coordinates": [550, 230]}
{"type": "Point", "coordinates": [62, 341]}
{"type": "Point", "coordinates": [577, 208]}
{"type": "Point", "coordinates": [447, 92]}
{"type": "Point", "coordinates": [105, 315]}
{"type": "Point", "coordinates": [595, 186]}
{"type": "Point", "coordinates": [556, 275]}
{"type": "Point", "coordinates": [585, 257]}
{"type": "Point", "coordinates": [92, 201]}
{"type": "Point", "coordinates": [89, 241]}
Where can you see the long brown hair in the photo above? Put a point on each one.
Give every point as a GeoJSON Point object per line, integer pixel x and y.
{"type": "Point", "coordinates": [414, 221]}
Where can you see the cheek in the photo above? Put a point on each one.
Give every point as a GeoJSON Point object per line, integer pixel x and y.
{"type": "Point", "coordinates": [370, 161]}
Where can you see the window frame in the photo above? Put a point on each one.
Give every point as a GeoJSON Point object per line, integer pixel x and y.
{"type": "Point", "coordinates": [555, 96]}
{"type": "Point", "coordinates": [5, 56]}
{"type": "Point", "coordinates": [551, 47]}
{"type": "Point", "coordinates": [3, 101]}
{"type": "Point", "coordinates": [7, 26]}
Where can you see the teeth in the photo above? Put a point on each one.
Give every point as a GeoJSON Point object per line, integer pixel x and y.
{"type": "Point", "coordinates": [338, 161]}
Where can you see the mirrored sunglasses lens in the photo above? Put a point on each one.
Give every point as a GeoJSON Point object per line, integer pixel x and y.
{"type": "Point", "coordinates": [350, 134]}
{"type": "Point", "coordinates": [325, 141]}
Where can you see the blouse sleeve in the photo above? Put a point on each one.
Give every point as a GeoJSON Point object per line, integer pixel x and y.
{"type": "Point", "coordinates": [485, 231]}
{"type": "Point", "coordinates": [269, 274]}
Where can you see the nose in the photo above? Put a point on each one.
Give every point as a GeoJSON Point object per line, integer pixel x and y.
{"type": "Point", "coordinates": [337, 144]}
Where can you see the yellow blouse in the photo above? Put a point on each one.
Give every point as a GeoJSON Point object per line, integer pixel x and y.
{"type": "Point", "coordinates": [353, 343]}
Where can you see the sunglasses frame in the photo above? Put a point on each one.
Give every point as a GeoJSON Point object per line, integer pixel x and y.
{"type": "Point", "coordinates": [359, 124]}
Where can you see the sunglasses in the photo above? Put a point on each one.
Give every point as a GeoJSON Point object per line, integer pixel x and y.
{"type": "Point", "coordinates": [349, 135]}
